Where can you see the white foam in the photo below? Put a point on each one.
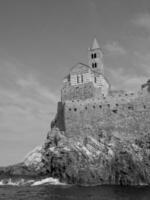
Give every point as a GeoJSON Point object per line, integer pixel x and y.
{"type": "Point", "coordinates": [50, 180]}
{"type": "Point", "coordinates": [16, 182]}
{"type": "Point", "coordinates": [23, 182]}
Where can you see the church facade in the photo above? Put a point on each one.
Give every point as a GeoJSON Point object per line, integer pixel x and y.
{"type": "Point", "coordinates": [86, 81]}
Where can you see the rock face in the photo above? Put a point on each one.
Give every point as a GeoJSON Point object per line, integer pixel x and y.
{"type": "Point", "coordinates": [107, 158]}
{"type": "Point", "coordinates": [34, 159]}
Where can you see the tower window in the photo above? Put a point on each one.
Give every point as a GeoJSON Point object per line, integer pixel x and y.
{"type": "Point", "coordinates": [95, 79]}
{"type": "Point", "coordinates": [94, 55]}
{"type": "Point", "coordinates": [94, 65]}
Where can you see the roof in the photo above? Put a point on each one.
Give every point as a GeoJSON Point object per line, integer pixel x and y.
{"type": "Point", "coordinates": [80, 64]}
{"type": "Point", "coordinates": [88, 67]}
{"type": "Point", "coordinates": [95, 44]}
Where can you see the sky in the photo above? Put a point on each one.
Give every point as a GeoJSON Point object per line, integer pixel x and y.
{"type": "Point", "coordinates": [40, 40]}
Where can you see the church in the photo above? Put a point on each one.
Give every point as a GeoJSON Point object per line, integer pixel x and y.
{"type": "Point", "coordinates": [86, 81]}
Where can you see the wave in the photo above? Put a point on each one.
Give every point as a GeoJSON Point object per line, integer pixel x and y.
{"type": "Point", "coordinates": [50, 180]}
{"type": "Point", "coordinates": [25, 182]}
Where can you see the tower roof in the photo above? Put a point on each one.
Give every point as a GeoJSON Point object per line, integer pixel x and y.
{"type": "Point", "coordinates": [95, 44]}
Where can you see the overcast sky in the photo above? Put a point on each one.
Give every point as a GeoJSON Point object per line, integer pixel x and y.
{"type": "Point", "coordinates": [40, 40]}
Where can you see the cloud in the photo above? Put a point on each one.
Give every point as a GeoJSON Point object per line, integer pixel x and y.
{"type": "Point", "coordinates": [126, 81]}
{"type": "Point", "coordinates": [31, 84]}
{"type": "Point", "coordinates": [114, 48]}
{"type": "Point", "coordinates": [26, 109]}
{"type": "Point", "coordinates": [142, 20]}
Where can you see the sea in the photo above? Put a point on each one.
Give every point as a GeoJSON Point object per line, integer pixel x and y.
{"type": "Point", "coordinates": [53, 190]}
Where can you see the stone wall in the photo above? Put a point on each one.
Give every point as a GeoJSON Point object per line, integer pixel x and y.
{"type": "Point", "coordinates": [82, 92]}
{"type": "Point", "coordinates": [59, 120]}
{"type": "Point", "coordinates": [125, 112]}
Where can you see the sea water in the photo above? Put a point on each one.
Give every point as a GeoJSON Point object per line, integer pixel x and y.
{"type": "Point", "coordinates": [69, 192]}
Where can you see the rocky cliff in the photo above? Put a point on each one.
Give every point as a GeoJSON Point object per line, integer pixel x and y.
{"type": "Point", "coordinates": [109, 158]}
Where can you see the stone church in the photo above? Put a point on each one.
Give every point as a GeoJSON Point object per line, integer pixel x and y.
{"type": "Point", "coordinates": [86, 81]}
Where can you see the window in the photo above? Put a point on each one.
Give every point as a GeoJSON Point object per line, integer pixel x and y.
{"type": "Point", "coordinates": [82, 78]}
{"type": "Point", "coordinates": [94, 65]}
{"type": "Point", "coordinates": [77, 79]}
{"type": "Point", "coordinates": [95, 79]}
{"type": "Point", "coordinates": [114, 111]}
{"type": "Point", "coordinates": [130, 107]}
{"type": "Point", "coordinates": [94, 55]}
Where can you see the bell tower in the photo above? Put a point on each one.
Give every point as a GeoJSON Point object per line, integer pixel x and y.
{"type": "Point", "coordinates": [95, 57]}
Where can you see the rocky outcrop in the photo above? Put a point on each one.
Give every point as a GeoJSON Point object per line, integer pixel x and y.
{"type": "Point", "coordinates": [108, 158]}
{"type": "Point", "coordinates": [19, 170]}
{"type": "Point", "coordinates": [31, 167]}
{"type": "Point", "coordinates": [104, 158]}
{"type": "Point", "coordinates": [34, 159]}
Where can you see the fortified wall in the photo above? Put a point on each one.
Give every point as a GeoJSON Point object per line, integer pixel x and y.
{"type": "Point", "coordinates": [119, 112]}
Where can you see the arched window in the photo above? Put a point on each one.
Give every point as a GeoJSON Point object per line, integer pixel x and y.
{"type": "Point", "coordinates": [95, 65]}
{"type": "Point", "coordinates": [94, 55]}
{"type": "Point", "coordinates": [95, 79]}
